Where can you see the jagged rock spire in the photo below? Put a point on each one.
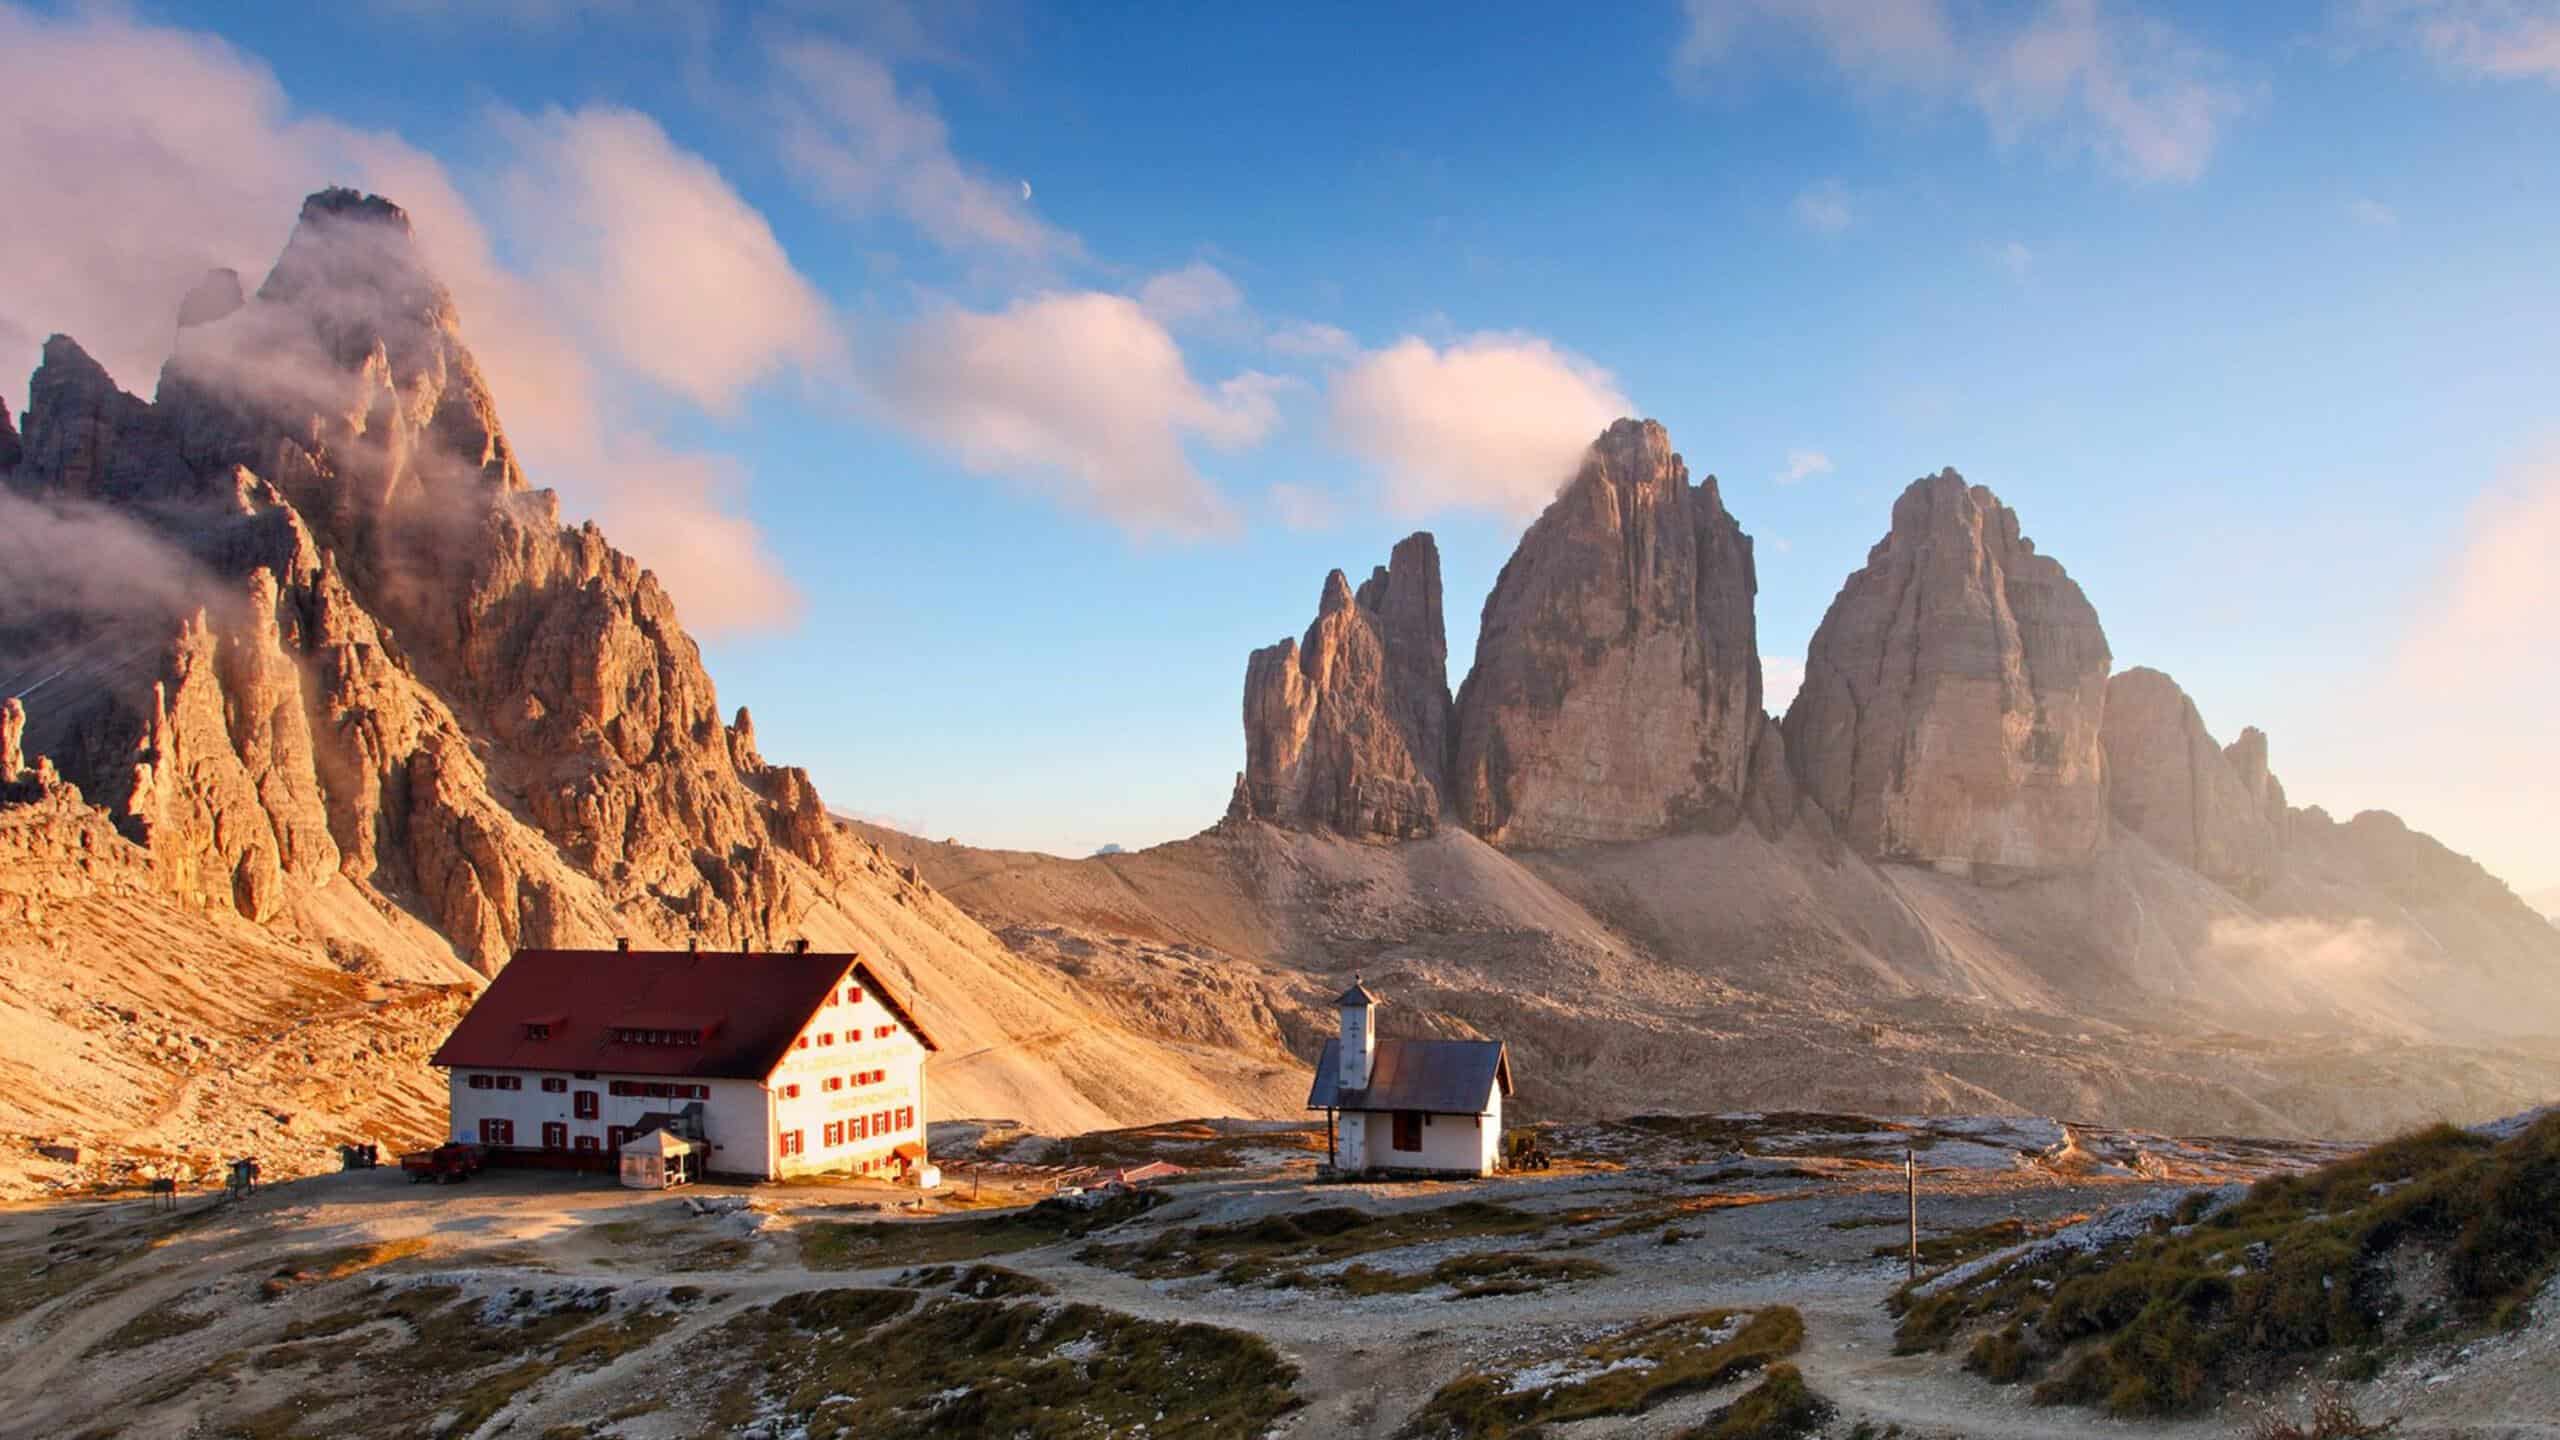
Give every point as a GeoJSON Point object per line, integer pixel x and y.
{"type": "Point", "coordinates": [1349, 728]}
{"type": "Point", "coordinates": [1953, 695]}
{"type": "Point", "coordinates": [2170, 783]}
{"type": "Point", "coordinates": [1616, 688]}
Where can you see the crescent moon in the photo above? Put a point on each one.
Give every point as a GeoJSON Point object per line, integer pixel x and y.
{"type": "Point", "coordinates": [1026, 189]}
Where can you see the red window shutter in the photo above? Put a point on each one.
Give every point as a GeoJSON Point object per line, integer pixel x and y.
{"type": "Point", "coordinates": [583, 1105]}
{"type": "Point", "coordinates": [586, 1142]}
{"type": "Point", "coordinates": [555, 1135]}
{"type": "Point", "coordinates": [853, 996]}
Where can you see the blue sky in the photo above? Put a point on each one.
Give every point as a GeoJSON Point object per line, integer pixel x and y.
{"type": "Point", "coordinates": [979, 497]}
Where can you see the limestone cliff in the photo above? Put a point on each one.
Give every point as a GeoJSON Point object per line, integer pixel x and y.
{"type": "Point", "coordinates": [2169, 782]}
{"type": "Point", "coordinates": [1616, 687]}
{"type": "Point", "coordinates": [1349, 728]}
{"type": "Point", "coordinates": [1953, 696]}
{"type": "Point", "coordinates": [345, 686]}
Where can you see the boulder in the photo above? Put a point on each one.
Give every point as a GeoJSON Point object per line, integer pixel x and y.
{"type": "Point", "coordinates": [1953, 696]}
{"type": "Point", "coordinates": [1348, 728]}
{"type": "Point", "coordinates": [2169, 782]}
{"type": "Point", "coordinates": [1616, 688]}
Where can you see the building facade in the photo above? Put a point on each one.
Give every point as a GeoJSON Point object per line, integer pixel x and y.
{"type": "Point", "coordinates": [1422, 1106]}
{"type": "Point", "coordinates": [775, 1064]}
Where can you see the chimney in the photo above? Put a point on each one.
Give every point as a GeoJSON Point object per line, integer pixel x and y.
{"type": "Point", "coordinates": [693, 944]}
{"type": "Point", "coordinates": [800, 946]}
{"type": "Point", "coordinates": [1359, 1035]}
{"type": "Point", "coordinates": [622, 943]}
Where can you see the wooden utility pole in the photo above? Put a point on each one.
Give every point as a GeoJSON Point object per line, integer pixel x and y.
{"type": "Point", "coordinates": [1911, 1192]}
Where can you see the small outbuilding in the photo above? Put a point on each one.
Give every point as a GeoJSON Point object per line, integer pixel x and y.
{"type": "Point", "coordinates": [1418, 1106]}
{"type": "Point", "coordinates": [658, 1160]}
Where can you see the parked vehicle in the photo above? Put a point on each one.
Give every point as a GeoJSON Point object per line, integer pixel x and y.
{"type": "Point", "coordinates": [1521, 1151]}
{"type": "Point", "coordinates": [444, 1164]}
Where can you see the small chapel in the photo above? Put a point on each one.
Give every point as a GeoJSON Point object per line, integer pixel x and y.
{"type": "Point", "coordinates": [1430, 1107]}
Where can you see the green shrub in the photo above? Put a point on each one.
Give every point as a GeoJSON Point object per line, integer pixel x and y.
{"type": "Point", "coordinates": [2161, 1322]}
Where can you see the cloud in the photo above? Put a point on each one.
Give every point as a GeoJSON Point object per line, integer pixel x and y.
{"type": "Point", "coordinates": [2365, 210]}
{"type": "Point", "coordinates": [2015, 258]}
{"type": "Point", "coordinates": [2489, 620]}
{"type": "Point", "coordinates": [1781, 676]}
{"type": "Point", "coordinates": [1196, 294]}
{"type": "Point", "coordinates": [1083, 392]}
{"type": "Point", "coordinates": [1313, 341]}
{"type": "Point", "coordinates": [1880, 45]}
{"type": "Point", "coordinates": [2459, 721]}
{"type": "Point", "coordinates": [1824, 208]}
{"type": "Point", "coordinates": [1495, 421]}
{"type": "Point", "coordinates": [2500, 38]}
{"type": "Point", "coordinates": [1802, 464]}
{"type": "Point", "coordinates": [137, 157]}
{"type": "Point", "coordinates": [134, 159]}
{"type": "Point", "coordinates": [652, 254]}
{"type": "Point", "coordinates": [2078, 74]}
{"type": "Point", "coordinates": [846, 129]}
{"type": "Point", "coordinates": [1303, 508]}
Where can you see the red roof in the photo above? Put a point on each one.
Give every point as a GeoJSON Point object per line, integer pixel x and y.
{"type": "Point", "coordinates": [748, 1006]}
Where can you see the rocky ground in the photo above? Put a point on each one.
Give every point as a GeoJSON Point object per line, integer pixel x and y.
{"type": "Point", "coordinates": [546, 1305]}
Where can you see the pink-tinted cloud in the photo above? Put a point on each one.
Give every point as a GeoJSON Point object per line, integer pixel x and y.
{"type": "Point", "coordinates": [652, 254]}
{"type": "Point", "coordinates": [1083, 394]}
{"type": "Point", "coordinates": [136, 157]}
{"type": "Point", "coordinates": [2110, 79]}
{"type": "Point", "coordinates": [1495, 421]}
{"type": "Point", "coordinates": [847, 130]}
{"type": "Point", "coordinates": [2502, 38]}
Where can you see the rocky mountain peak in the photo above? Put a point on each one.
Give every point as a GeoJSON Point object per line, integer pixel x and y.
{"type": "Point", "coordinates": [1953, 695]}
{"type": "Point", "coordinates": [10, 446]}
{"type": "Point", "coordinates": [1348, 729]}
{"type": "Point", "coordinates": [386, 632]}
{"type": "Point", "coordinates": [1616, 687]}
{"type": "Point", "coordinates": [2169, 782]}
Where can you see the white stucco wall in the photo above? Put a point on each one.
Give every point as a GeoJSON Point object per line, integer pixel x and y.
{"type": "Point", "coordinates": [733, 1118]}
{"type": "Point", "coordinates": [855, 1048]}
{"type": "Point", "coordinates": [1468, 1143]}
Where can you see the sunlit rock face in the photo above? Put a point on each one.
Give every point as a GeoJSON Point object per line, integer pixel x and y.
{"type": "Point", "coordinates": [2168, 782]}
{"type": "Point", "coordinates": [1348, 729]}
{"type": "Point", "coordinates": [1953, 696]}
{"type": "Point", "coordinates": [356, 643]}
{"type": "Point", "coordinates": [1616, 688]}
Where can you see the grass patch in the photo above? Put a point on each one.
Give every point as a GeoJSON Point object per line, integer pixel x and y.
{"type": "Point", "coordinates": [863, 1245]}
{"type": "Point", "coordinates": [976, 1367]}
{"type": "Point", "coordinates": [681, 1248]}
{"type": "Point", "coordinates": [1956, 1247]}
{"type": "Point", "coordinates": [2298, 1269]}
{"type": "Point", "coordinates": [322, 1266]}
{"type": "Point", "coordinates": [1780, 1407]}
{"type": "Point", "coordinates": [432, 1351]}
{"type": "Point", "coordinates": [1468, 1277]}
{"type": "Point", "coordinates": [152, 1326]}
{"type": "Point", "coordinates": [1246, 1252]}
{"type": "Point", "coordinates": [1623, 1374]}
{"type": "Point", "coordinates": [1192, 1144]}
{"type": "Point", "coordinates": [1692, 1206]}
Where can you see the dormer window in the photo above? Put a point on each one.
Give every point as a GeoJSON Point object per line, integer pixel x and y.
{"type": "Point", "coordinates": [635, 1035]}
{"type": "Point", "coordinates": [537, 1030]}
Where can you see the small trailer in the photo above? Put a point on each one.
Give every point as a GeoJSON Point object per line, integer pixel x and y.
{"type": "Point", "coordinates": [445, 1163]}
